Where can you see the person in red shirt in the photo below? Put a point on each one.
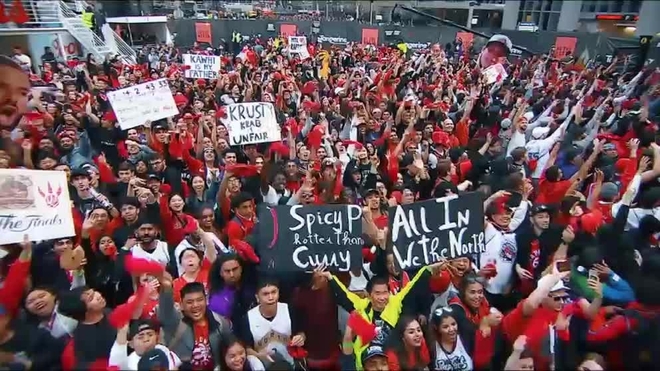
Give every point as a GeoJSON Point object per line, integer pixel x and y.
{"type": "Point", "coordinates": [241, 225]}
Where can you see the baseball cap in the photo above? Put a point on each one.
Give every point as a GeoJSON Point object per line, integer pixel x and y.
{"type": "Point", "coordinates": [528, 115]}
{"type": "Point", "coordinates": [609, 191]}
{"type": "Point", "coordinates": [539, 132]}
{"type": "Point", "coordinates": [79, 172]}
{"type": "Point", "coordinates": [541, 208]}
{"type": "Point", "coordinates": [154, 359]}
{"type": "Point", "coordinates": [140, 325]}
{"type": "Point", "coordinates": [371, 352]}
{"type": "Point", "coordinates": [369, 192]}
{"type": "Point", "coordinates": [506, 123]}
{"type": "Point", "coordinates": [502, 39]}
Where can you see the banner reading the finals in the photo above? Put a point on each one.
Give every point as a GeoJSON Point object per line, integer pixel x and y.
{"type": "Point", "coordinates": [250, 123]}
{"type": "Point", "coordinates": [425, 232]}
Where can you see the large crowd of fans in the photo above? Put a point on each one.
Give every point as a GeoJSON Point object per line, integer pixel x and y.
{"type": "Point", "coordinates": [169, 275]}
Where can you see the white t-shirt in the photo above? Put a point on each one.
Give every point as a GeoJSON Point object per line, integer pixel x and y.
{"type": "Point", "coordinates": [160, 254]}
{"type": "Point", "coordinates": [119, 357]}
{"type": "Point", "coordinates": [457, 360]}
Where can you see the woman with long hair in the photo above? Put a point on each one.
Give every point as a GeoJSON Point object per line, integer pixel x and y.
{"type": "Point", "coordinates": [231, 288]}
{"type": "Point", "coordinates": [470, 305]}
{"type": "Point", "coordinates": [234, 357]}
{"type": "Point", "coordinates": [453, 347]}
{"type": "Point", "coordinates": [407, 348]}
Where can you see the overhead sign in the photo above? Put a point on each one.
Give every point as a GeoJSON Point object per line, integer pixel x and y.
{"type": "Point", "coordinates": [250, 123]}
{"type": "Point", "coordinates": [425, 232]}
{"type": "Point", "coordinates": [151, 101]}
{"type": "Point", "coordinates": [201, 66]}
{"type": "Point", "coordinates": [301, 238]}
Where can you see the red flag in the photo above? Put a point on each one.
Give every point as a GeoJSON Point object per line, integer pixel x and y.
{"type": "Point", "coordinates": [17, 13]}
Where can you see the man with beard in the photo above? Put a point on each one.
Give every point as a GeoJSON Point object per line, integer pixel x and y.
{"type": "Point", "coordinates": [147, 246]}
{"type": "Point", "coordinates": [14, 94]}
{"type": "Point", "coordinates": [75, 149]}
{"type": "Point", "coordinates": [130, 211]}
{"type": "Point", "coordinates": [537, 242]}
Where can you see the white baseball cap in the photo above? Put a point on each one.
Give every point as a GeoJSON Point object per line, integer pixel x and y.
{"type": "Point", "coordinates": [540, 132]}
{"type": "Point", "coordinates": [502, 39]}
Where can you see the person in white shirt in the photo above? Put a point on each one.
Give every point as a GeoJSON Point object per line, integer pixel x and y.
{"type": "Point", "coordinates": [22, 59]}
{"type": "Point", "coordinates": [142, 336]}
{"type": "Point", "coordinates": [501, 248]}
{"type": "Point", "coordinates": [148, 246]}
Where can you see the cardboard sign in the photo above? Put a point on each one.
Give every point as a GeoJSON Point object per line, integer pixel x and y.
{"type": "Point", "coordinates": [250, 123]}
{"type": "Point", "coordinates": [287, 30]}
{"type": "Point", "coordinates": [135, 105]}
{"type": "Point", "coordinates": [466, 37]}
{"type": "Point", "coordinates": [301, 238]}
{"type": "Point", "coordinates": [298, 46]}
{"type": "Point", "coordinates": [563, 46]}
{"type": "Point", "coordinates": [201, 66]}
{"type": "Point", "coordinates": [424, 232]}
{"type": "Point", "coordinates": [36, 203]}
{"type": "Point", "coordinates": [495, 73]}
{"type": "Point", "coordinates": [370, 36]}
{"type": "Point", "coordinates": [203, 32]}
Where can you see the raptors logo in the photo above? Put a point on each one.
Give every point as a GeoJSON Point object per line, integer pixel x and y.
{"type": "Point", "coordinates": [52, 198]}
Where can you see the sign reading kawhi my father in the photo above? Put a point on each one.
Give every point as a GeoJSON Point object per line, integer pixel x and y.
{"type": "Point", "coordinates": [301, 238]}
{"type": "Point", "coordinates": [250, 123]}
{"type": "Point", "coordinates": [424, 232]}
{"type": "Point", "coordinates": [201, 66]}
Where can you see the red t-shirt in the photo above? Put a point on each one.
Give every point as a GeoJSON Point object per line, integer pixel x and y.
{"type": "Point", "coordinates": [552, 192]}
{"type": "Point", "coordinates": [202, 357]}
{"type": "Point", "coordinates": [178, 283]}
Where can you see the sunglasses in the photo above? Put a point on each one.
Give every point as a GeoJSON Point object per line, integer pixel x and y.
{"type": "Point", "coordinates": [562, 299]}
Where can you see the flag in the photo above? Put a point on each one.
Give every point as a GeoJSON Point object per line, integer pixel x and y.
{"type": "Point", "coordinates": [584, 58]}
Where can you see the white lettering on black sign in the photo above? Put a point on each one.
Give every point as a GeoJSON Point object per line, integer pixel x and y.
{"type": "Point", "coordinates": [428, 231]}
{"type": "Point", "coordinates": [325, 235]}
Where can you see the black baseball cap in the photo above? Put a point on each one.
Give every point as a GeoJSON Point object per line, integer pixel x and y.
{"type": "Point", "coordinates": [541, 208]}
{"type": "Point", "coordinates": [154, 359]}
{"type": "Point", "coordinates": [371, 352]}
{"type": "Point", "coordinates": [79, 172]}
{"type": "Point", "coordinates": [369, 192]}
{"type": "Point", "coordinates": [140, 325]}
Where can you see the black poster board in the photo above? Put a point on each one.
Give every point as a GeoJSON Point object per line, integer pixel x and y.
{"type": "Point", "coordinates": [300, 238]}
{"type": "Point", "coordinates": [449, 227]}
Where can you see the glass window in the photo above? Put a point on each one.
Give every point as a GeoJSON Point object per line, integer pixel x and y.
{"type": "Point", "coordinates": [538, 4]}
{"type": "Point", "coordinates": [635, 5]}
{"type": "Point", "coordinates": [553, 21]}
{"type": "Point", "coordinates": [556, 5]}
{"type": "Point", "coordinates": [520, 17]}
{"type": "Point", "coordinates": [547, 5]}
{"type": "Point", "coordinates": [591, 8]}
{"type": "Point", "coordinates": [544, 21]}
{"type": "Point", "coordinates": [617, 7]}
{"type": "Point", "coordinates": [603, 6]}
{"type": "Point", "coordinates": [536, 18]}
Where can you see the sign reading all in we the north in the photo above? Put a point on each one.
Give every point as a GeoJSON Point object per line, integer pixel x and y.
{"type": "Point", "coordinates": [298, 46]}
{"type": "Point", "coordinates": [250, 123]}
{"type": "Point", "coordinates": [301, 238]}
{"type": "Point", "coordinates": [140, 103]}
{"type": "Point", "coordinates": [425, 232]}
{"type": "Point", "coordinates": [201, 66]}
{"type": "Point", "coordinates": [34, 203]}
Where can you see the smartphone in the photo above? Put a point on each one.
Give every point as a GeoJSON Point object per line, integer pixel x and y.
{"type": "Point", "coordinates": [563, 265]}
{"type": "Point", "coordinates": [593, 275]}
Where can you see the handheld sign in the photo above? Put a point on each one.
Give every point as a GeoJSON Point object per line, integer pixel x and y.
{"type": "Point", "coordinates": [36, 203]}
{"type": "Point", "coordinates": [301, 238]}
{"type": "Point", "coordinates": [201, 66]}
{"type": "Point", "coordinates": [298, 46]}
{"type": "Point", "coordinates": [250, 123]}
{"type": "Point", "coordinates": [135, 105]}
{"type": "Point", "coordinates": [449, 227]}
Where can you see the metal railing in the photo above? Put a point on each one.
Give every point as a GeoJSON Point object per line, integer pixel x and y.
{"type": "Point", "coordinates": [90, 40]}
{"type": "Point", "coordinates": [41, 14]}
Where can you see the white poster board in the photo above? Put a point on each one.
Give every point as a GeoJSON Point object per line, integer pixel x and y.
{"type": "Point", "coordinates": [201, 66]}
{"type": "Point", "coordinates": [250, 123]}
{"type": "Point", "coordinates": [495, 73]}
{"type": "Point", "coordinates": [298, 46]}
{"type": "Point", "coordinates": [135, 105]}
{"type": "Point", "coordinates": [36, 203]}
